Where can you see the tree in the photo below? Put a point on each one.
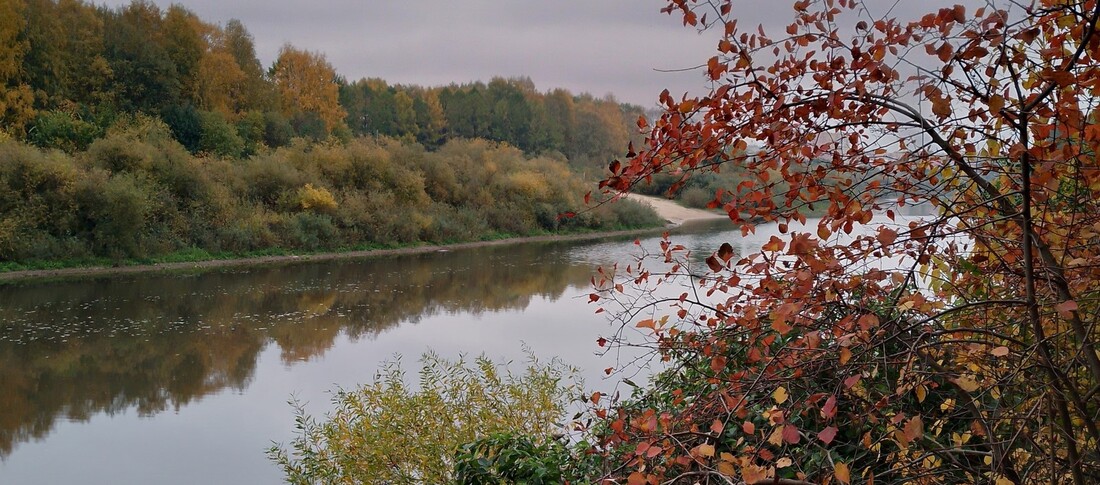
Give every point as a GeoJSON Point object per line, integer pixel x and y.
{"type": "Point", "coordinates": [968, 353]}
{"type": "Point", "coordinates": [16, 97]}
{"type": "Point", "coordinates": [307, 86]}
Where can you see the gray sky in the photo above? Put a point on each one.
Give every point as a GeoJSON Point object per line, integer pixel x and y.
{"type": "Point", "coordinates": [594, 46]}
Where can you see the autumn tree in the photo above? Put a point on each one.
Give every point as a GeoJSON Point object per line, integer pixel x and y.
{"type": "Point", "coordinates": [307, 87]}
{"type": "Point", "coordinates": [16, 97]}
{"type": "Point", "coordinates": [863, 346]}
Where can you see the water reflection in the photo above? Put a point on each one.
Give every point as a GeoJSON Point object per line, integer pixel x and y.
{"type": "Point", "coordinates": [156, 342]}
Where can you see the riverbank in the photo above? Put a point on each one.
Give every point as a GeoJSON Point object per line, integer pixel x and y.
{"type": "Point", "coordinates": [669, 211]}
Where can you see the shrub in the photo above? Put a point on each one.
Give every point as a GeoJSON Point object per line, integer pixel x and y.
{"type": "Point", "coordinates": [696, 197]}
{"type": "Point", "coordinates": [315, 199]}
{"type": "Point", "coordinates": [63, 131]}
{"type": "Point", "coordinates": [388, 432]}
{"type": "Point", "coordinates": [218, 136]}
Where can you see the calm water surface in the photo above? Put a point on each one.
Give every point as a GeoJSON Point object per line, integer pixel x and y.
{"type": "Point", "coordinates": [184, 378]}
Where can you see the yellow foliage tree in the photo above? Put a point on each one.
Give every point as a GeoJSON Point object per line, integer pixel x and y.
{"type": "Point", "coordinates": [16, 98]}
{"type": "Point", "coordinates": [306, 83]}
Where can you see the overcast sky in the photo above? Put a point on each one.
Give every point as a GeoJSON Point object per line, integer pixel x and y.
{"type": "Point", "coordinates": [594, 46]}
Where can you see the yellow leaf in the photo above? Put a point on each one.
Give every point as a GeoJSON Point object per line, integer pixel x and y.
{"type": "Point", "coordinates": [842, 473]}
{"type": "Point", "coordinates": [705, 450]}
{"type": "Point", "coordinates": [780, 395]}
{"type": "Point", "coordinates": [726, 468]}
{"type": "Point", "coordinates": [776, 437]}
{"type": "Point", "coordinates": [921, 393]}
{"type": "Point", "coordinates": [967, 383]}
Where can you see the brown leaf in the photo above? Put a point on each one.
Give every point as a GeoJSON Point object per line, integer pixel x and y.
{"type": "Point", "coordinates": [725, 252]}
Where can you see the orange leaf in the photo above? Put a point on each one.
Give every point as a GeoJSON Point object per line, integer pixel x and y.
{"type": "Point", "coordinates": [774, 244]}
{"type": "Point", "coordinates": [753, 474]}
{"type": "Point", "coordinates": [717, 426]}
{"type": "Point", "coordinates": [914, 428]}
{"type": "Point", "coordinates": [842, 473]}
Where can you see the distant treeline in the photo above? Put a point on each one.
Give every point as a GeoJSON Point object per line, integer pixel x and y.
{"type": "Point", "coordinates": [137, 193]}
{"type": "Point", "coordinates": [69, 69]}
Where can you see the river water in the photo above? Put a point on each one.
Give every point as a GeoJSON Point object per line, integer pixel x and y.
{"type": "Point", "coordinates": [184, 378]}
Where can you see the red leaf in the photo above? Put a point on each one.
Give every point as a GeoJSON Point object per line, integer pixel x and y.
{"type": "Point", "coordinates": [829, 409]}
{"type": "Point", "coordinates": [1066, 308]}
{"type": "Point", "coordinates": [653, 451]}
{"type": "Point", "coordinates": [851, 381]}
{"type": "Point", "coordinates": [790, 434]}
{"type": "Point", "coordinates": [827, 435]}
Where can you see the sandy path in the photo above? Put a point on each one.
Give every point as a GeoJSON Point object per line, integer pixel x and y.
{"type": "Point", "coordinates": [674, 213]}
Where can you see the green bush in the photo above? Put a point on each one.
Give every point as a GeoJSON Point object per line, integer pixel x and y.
{"type": "Point", "coordinates": [63, 131]}
{"type": "Point", "coordinates": [218, 136]}
{"type": "Point", "coordinates": [388, 432]}
{"type": "Point", "coordinates": [116, 210]}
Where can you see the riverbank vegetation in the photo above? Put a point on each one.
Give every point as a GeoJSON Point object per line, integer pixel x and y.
{"type": "Point", "coordinates": [138, 193]}
{"type": "Point", "coordinates": [142, 134]}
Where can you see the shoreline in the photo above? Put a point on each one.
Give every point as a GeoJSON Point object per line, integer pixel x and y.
{"type": "Point", "coordinates": [671, 212]}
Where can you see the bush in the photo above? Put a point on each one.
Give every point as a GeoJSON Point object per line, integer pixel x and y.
{"type": "Point", "coordinates": [62, 131]}
{"type": "Point", "coordinates": [387, 432]}
{"type": "Point", "coordinates": [218, 136]}
{"type": "Point", "coordinates": [696, 197]}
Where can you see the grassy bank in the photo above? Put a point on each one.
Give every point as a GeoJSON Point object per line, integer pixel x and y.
{"type": "Point", "coordinates": [201, 260]}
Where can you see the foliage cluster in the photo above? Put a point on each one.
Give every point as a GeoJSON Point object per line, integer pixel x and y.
{"type": "Point", "coordinates": [867, 347]}
{"type": "Point", "coordinates": [73, 68]}
{"type": "Point", "coordinates": [137, 193]}
{"type": "Point", "coordinates": [391, 432]}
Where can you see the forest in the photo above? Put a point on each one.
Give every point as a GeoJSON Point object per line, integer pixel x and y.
{"type": "Point", "coordinates": [144, 133]}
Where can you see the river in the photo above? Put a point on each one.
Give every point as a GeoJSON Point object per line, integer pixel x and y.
{"type": "Point", "coordinates": [184, 378]}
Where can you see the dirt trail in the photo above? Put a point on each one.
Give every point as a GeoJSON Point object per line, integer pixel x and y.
{"type": "Point", "coordinates": [675, 213]}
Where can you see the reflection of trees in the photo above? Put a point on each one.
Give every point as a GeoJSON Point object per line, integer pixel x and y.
{"type": "Point", "coordinates": [155, 342]}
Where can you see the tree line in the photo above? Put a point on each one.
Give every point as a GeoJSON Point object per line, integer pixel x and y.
{"type": "Point", "coordinates": [69, 69]}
